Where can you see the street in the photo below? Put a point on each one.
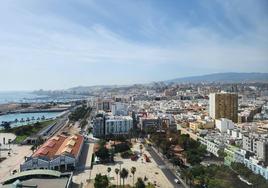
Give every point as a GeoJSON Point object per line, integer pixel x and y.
{"type": "Point", "coordinates": [168, 173]}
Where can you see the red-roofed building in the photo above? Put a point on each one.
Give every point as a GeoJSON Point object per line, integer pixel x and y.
{"type": "Point", "coordinates": [60, 152]}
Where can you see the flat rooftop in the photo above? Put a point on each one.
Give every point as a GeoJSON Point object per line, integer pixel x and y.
{"type": "Point", "coordinates": [42, 182]}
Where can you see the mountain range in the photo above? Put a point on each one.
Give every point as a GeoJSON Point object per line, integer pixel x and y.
{"type": "Point", "coordinates": [229, 77]}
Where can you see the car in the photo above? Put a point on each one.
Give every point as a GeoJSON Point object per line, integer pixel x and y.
{"type": "Point", "coordinates": [177, 181]}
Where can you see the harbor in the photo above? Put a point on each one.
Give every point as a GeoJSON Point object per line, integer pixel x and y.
{"type": "Point", "coordinates": [20, 119]}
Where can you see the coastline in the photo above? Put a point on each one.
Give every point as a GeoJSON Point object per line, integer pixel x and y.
{"type": "Point", "coordinates": [33, 111]}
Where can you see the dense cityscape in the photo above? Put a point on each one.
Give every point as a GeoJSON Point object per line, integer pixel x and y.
{"type": "Point", "coordinates": [157, 135]}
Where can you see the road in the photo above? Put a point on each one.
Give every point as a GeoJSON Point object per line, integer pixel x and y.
{"type": "Point", "coordinates": [167, 171]}
{"type": "Point", "coordinates": [61, 122]}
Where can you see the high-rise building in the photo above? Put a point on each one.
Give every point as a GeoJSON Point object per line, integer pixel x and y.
{"type": "Point", "coordinates": [223, 105]}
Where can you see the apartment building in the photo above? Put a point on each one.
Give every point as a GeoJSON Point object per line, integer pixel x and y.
{"type": "Point", "coordinates": [224, 124]}
{"type": "Point", "coordinates": [257, 144]}
{"type": "Point", "coordinates": [118, 125]}
{"type": "Point", "coordinates": [105, 125]}
{"type": "Point", "coordinates": [223, 105]}
{"type": "Point", "coordinates": [119, 109]}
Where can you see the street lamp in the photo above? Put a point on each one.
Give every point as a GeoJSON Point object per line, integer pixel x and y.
{"type": "Point", "coordinates": [120, 163]}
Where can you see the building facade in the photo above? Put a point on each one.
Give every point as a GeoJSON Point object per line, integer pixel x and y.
{"type": "Point", "coordinates": [223, 105]}
{"type": "Point", "coordinates": [60, 153]}
{"type": "Point", "coordinates": [111, 125]}
{"type": "Point", "coordinates": [224, 124]}
{"type": "Point", "coordinates": [257, 144]}
{"type": "Point", "coordinates": [118, 125]}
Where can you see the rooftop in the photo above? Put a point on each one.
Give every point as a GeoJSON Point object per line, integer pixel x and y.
{"type": "Point", "coordinates": [59, 145]}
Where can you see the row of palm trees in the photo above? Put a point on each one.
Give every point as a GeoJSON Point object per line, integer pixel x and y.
{"type": "Point", "coordinates": [123, 174]}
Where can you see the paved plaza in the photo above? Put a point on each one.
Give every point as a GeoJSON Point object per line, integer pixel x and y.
{"type": "Point", "coordinates": [5, 138]}
{"type": "Point", "coordinates": [149, 170]}
{"type": "Point", "coordinates": [17, 156]}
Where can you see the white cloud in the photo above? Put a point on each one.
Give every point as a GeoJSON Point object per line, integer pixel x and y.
{"type": "Point", "coordinates": [39, 40]}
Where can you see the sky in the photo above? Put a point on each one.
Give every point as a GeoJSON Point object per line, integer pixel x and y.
{"type": "Point", "coordinates": [58, 44]}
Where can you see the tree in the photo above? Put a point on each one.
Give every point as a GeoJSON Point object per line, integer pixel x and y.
{"type": "Point", "coordinates": [6, 126]}
{"type": "Point", "coordinates": [122, 147]}
{"type": "Point", "coordinates": [109, 170]}
{"type": "Point", "coordinates": [140, 183]}
{"type": "Point", "coordinates": [124, 175]}
{"type": "Point", "coordinates": [101, 181]}
{"type": "Point", "coordinates": [188, 175]}
{"type": "Point", "coordinates": [176, 161]}
{"type": "Point", "coordinates": [117, 171]}
{"type": "Point", "coordinates": [141, 147]}
{"type": "Point", "coordinates": [194, 155]}
{"type": "Point", "coordinates": [133, 171]}
{"type": "Point", "coordinates": [103, 154]}
{"type": "Point", "coordinates": [33, 148]}
{"type": "Point", "coordinates": [101, 143]}
{"type": "Point", "coordinates": [221, 154]}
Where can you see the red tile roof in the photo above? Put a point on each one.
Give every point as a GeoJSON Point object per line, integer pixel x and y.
{"type": "Point", "coordinates": [60, 145]}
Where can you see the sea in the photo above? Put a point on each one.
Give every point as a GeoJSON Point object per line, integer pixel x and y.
{"type": "Point", "coordinates": [19, 96]}
{"type": "Point", "coordinates": [19, 119]}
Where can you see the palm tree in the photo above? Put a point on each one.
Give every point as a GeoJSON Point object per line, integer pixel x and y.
{"type": "Point", "coordinates": [124, 175]}
{"type": "Point", "coordinates": [189, 176]}
{"type": "Point", "coordinates": [141, 147]}
{"type": "Point", "coordinates": [133, 171]}
{"type": "Point", "coordinates": [117, 171]}
{"type": "Point", "coordinates": [33, 148]}
{"type": "Point", "coordinates": [109, 170]}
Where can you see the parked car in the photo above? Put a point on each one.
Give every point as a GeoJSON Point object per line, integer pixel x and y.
{"type": "Point", "coordinates": [177, 181]}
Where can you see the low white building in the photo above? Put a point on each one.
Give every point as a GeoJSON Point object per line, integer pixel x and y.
{"type": "Point", "coordinates": [254, 166]}
{"type": "Point", "coordinates": [235, 133]}
{"type": "Point", "coordinates": [211, 146]}
{"type": "Point", "coordinates": [223, 124]}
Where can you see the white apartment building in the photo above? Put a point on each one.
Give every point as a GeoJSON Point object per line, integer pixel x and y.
{"type": "Point", "coordinates": [257, 144]}
{"type": "Point", "coordinates": [211, 146]}
{"type": "Point", "coordinates": [118, 125]}
{"type": "Point", "coordinates": [235, 133]}
{"type": "Point", "coordinates": [119, 108]}
{"type": "Point", "coordinates": [223, 124]}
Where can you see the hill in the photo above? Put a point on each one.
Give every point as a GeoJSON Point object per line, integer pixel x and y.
{"type": "Point", "coordinates": [229, 77]}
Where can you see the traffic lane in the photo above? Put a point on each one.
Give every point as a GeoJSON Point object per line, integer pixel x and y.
{"type": "Point", "coordinates": [168, 173]}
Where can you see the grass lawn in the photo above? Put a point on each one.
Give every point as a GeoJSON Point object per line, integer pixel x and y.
{"type": "Point", "coordinates": [20, 139]}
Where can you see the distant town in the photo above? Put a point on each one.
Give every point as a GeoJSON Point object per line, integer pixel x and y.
{"type": "Point", "coordinates": [162, 134]}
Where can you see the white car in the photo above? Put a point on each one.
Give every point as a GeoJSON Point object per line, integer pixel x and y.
{"type": "Point", "coordinates": [177, 181]}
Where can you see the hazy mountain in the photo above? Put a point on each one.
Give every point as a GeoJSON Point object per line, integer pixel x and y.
{"type": "Point", "coordinates": [224, 77]}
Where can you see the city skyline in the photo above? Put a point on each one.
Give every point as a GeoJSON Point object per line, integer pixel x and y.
{"type": "Point", "coordinates": [56, 45]}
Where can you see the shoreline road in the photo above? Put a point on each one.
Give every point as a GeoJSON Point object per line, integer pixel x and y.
{"type": "Point", "coordinates": [166, 170]}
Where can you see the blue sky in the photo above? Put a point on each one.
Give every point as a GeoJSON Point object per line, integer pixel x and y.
{"type": "Point", "coordinates": [57, 44]}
